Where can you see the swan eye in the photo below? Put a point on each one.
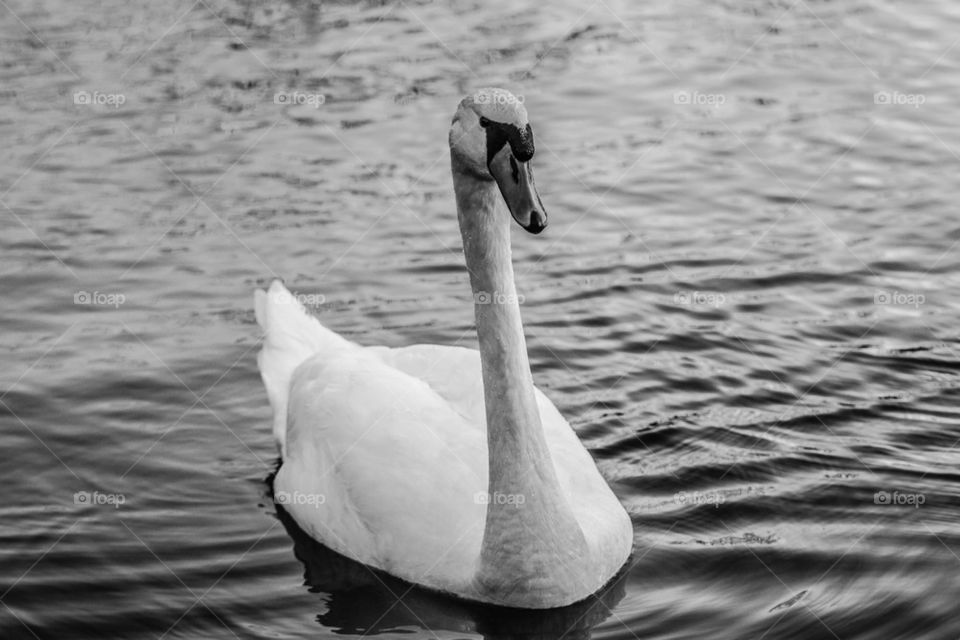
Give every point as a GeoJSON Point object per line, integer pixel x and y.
{"type": "Point", "coordinates": [484, 122]}
{"type": "Point", "coordinates": [496, 140]}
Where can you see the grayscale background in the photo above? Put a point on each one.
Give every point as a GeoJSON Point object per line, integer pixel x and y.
{"type": "Point", "coordinates": [746, 302]}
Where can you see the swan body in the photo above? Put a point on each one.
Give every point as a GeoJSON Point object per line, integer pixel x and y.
{"type": "Point", "coordinates": [442, 465]}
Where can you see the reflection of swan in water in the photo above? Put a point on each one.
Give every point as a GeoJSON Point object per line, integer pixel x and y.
{"type": "Point", "coordinates": [364, 601]}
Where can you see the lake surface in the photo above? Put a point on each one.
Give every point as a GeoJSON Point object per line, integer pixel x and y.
{"type": "Point", "coordinates": [746, 302]}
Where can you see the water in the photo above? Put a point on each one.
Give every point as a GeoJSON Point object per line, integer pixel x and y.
{"type": "Point", "coordinates": [745, 303]}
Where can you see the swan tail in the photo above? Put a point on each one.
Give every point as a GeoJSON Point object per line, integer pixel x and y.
{"type": "Point", "coordinates": [291, 336]}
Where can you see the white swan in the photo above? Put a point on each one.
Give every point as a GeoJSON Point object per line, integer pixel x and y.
{"type": "Point", "coordinates": [441, 465]}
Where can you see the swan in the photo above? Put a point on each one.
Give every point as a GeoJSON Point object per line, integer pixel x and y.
{"type": "Point", "coordinates": [441, 465]}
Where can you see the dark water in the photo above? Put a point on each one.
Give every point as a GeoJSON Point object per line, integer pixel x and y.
{"type": "Point", "coordinates": [746, 303]}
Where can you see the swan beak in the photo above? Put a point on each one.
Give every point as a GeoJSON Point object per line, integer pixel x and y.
{"type": "Point", "coordinates": [515, 180]}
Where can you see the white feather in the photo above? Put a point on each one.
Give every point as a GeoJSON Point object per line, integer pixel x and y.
{"type": "Point", "coordinates": [386, 450]}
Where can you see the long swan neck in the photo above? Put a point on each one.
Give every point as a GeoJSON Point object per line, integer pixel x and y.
{"type": "Point", "coordinates": [528, 517]}
{"type": "Point", "coordinates": [512, 414]}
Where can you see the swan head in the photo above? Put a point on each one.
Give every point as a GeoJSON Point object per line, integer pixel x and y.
{"type": "Point", "coordinates": [491, 139]}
